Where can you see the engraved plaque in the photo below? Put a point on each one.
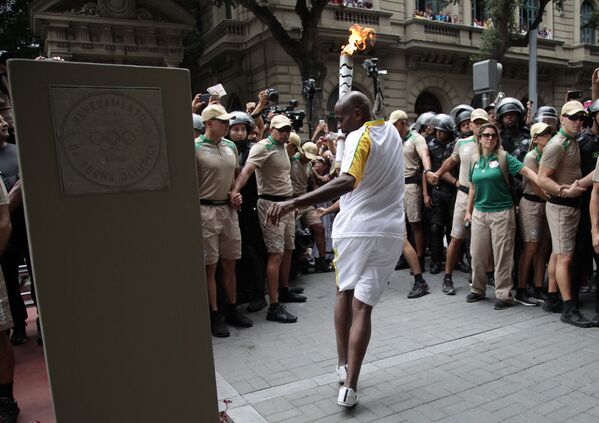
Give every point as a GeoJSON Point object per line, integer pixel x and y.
{"type": "Point", "coordinates": [109, 139]}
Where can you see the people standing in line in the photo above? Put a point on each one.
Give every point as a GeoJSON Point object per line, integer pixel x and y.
{"type": "Point", "coordinates": [462, 154]}
{"type": "Point", "coordinates": [492, 214]}
{"type": "Point", "coordinates": [559, 172]}
{"type": "Point", "coordinates": [217, 165]}
{"type": "Point", "coordinates": [269, 159]}
{"type": "Point", "coordinates": [368, 232]}
{"type": "Point", "coordinates": [533, 223]}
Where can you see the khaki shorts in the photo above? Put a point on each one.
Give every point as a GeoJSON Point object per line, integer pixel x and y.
{"type": "Point", "coordinates": [5, 314]}
{"type": "Point", "coordinates": [276, 238]}
{"type": "Point", "coordinates": [533, 224]}
{"type": "Point", "coordinates": [412, 202]}
{"type": "Point", "coordinates": [563, 224]}
{"type": "Point", "coordinates": [308, 217]}
{"type": "Point", "coordinates": [220, 230]}
{"type": "Point", "coordinates": [458, 231]}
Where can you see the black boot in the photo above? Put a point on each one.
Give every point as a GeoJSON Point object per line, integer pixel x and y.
{"type": "Point", "coordinates": [436, 246]}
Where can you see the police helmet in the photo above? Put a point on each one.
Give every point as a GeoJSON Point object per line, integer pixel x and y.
{"type": "Point", "coordinates": [423, 120]}
{"type": "Point", "coordinates": [461, 113]}
{"type": "Point", "coordinates": [443, 122]}
{"type": "Point", "coordinates": [242, 117]}
{"type": "Point", "coordinates": [544, 112]}
{"type": "Point", "coordinates": [509, 104]}
{"type": "Point", "coordinates": [197, 122]}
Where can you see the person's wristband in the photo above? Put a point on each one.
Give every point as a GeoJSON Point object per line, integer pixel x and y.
{"type": "Point", "coordinates": [426, 171]}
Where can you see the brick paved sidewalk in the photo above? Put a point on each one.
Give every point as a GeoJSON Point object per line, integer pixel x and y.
{"type": "Point", "coordinates": [432, 359]}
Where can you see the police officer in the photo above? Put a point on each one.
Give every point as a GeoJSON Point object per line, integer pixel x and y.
{"type": "Point", "coordinates": [217, 164]}
{"type": "Point", "coordinates": [251, 274]}
{"type": "Point", "coordinates": [547, 115]}
{"type": "Point", "coordinates": [515, 136]}
{"type": "Point", "coordinates": [440, 197]}
{"type": "Point", "coordinates": [423, 125]}
{"type": "Point", "coordinates": [559, 172]}
{"type": "Point", "coordinates": [198, 126]}
{"type": "Point", "coordinates": [461, 117]}
{"type": "Point", "coordinates": [269, 159]}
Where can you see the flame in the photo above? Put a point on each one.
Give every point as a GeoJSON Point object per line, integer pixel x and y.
{"type": "Point", "coordinates": [359, 39]}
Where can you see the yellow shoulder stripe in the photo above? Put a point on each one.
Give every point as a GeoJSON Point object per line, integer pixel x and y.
{"type": "Point", "coordinates": [356, 169]}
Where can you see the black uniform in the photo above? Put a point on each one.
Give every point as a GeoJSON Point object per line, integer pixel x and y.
{"type": "Point", "coordinates": [439, 216]}
{"type": "Point", "coordinates": [582, 265]}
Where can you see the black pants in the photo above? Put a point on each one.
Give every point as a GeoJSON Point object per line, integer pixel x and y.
{"type": "Point", "coordinates": [251, 268]}
{"type": "Point", "coordinates": [439, 218]}
{"type": "Point", "coordinates": [16, 253]}
{"type": "Point", "coordinates": [582, 261]}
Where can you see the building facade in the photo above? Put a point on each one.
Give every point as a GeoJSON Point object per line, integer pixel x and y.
{"type": "Point", "coordinates": [428, 62]}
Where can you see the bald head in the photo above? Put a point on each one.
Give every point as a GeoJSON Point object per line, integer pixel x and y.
{"type": "Point", "coordinates": [352, 111]}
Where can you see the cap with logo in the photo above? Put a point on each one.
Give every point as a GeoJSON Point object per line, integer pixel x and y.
{"type": "Point", "coordinates": [479, 114]}
{"type": "Point", "coordinates": [310, 150]}
{"type": "Point", "coordinates": [215, 111]}
{"type": "Point", "coordinates": [572, 107]}
{"type": "Point", "coordinates": [280, 121]}
{"type": "Point", "coordinates": [538, 129]}
{"type": "Point", "coordinates": [397, 115]}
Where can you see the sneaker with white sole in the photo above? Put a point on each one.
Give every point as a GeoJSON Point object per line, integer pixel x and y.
{"type": "Point", "coordinates": [347, 397]}
{"type": "Point", "coordinates": [341, 373]}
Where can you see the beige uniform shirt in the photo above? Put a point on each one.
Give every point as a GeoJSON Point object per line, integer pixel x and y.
{"type": "Point", "coordinates": [531, 160]}
{"type": "Point", "coordinates": [462, 153]}
{"type": "Point", "coordinates": [216, 164]}
{"type": "Point", "coordinates": [273, 168]}
{"type": "Point", "coordinates": [300, 175]}
{"type": "Point", "coordinates": [563, 155]}
{"type": "Point", "coordinates": [412, 145]}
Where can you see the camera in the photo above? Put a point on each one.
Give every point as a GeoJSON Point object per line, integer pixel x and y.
{"type": "Point", "coordinates": [296, 116]}
{"type": "Point", "coordinates": [309, 88]}
{"type": "Point", "coordinates": [273, 95]}
{"type": "Point", "coordinates": [371, 67]}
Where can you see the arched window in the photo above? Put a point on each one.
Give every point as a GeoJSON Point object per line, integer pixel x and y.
{"type": "Point", "coordinates": [427, 102]}
{"type": "Point", "coordinates": [587, 35]}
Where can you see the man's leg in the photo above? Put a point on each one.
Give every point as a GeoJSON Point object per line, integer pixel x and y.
{"type": "Point", "coordinates": [562, 275]}
{"type": "Point", "coordinates": [211, 285]}
{"type": "Point", "coordinates": [9, 410]}
{"type": "Point", "coordinates": [343, 323]}
{"type": "Point", "coordinates": [233, 316]}
{"type": "Point", "coordinates": [319, 237]}
{"type": "Point", "coordinates": [273, 266]}
{"type": "Point", "coordinates": [359, 337]}
{"type": "Point", "coordinates": [420, 286]}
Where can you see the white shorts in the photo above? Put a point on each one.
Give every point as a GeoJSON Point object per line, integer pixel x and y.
{"type": "Point", "coordinates": [365, 265]}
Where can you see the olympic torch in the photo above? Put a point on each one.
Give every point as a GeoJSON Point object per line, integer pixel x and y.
{"type": "Point", "coordinates": [359, 39]}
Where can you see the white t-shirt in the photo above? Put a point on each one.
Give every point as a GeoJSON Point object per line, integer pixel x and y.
{"type": "Point", "coordinates": [373, 155]}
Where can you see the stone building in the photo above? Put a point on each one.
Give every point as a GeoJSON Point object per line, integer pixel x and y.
{"type": "Point", "coordinates": [135, 32]}
{"type": "Point", "coordinates": [428, 62]}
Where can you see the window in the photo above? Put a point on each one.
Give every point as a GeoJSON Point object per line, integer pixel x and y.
{"type": "Point", "coordinates": [528, 12]}
{"type": "Point", "coordinates": [587, 35]}
{"type": "Point", "coordinates": [427, 102]}
{"type": "Point", "coordinates": [434, 5]}
{"type": "Point", "coordinates": [479, 14]}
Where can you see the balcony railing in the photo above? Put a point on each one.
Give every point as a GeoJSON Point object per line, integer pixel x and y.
{"type": "Point", "coordinates": [356, 16]}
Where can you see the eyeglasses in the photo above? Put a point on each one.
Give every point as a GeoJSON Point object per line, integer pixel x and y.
{"type": "Point", "coordinates": [224, 122]}
{"type": "Point", "coordinates": [284, 129]}
{"type": "Point", "coordinates": [576, 118]}
{"type": "Point", "coordinates": [488, 135]}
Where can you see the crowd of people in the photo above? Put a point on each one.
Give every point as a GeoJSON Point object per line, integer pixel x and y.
{"type": "Point", "coordinates": [502, 194]}
{"type": "Point", "coordinates": [439, 16]}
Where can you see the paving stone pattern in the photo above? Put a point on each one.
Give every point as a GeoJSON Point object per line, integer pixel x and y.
{"type": "Point", "coordinates": [432, 359]}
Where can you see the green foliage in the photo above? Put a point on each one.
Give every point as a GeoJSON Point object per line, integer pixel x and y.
{"type": "Point", "coordinates": [15, 32]}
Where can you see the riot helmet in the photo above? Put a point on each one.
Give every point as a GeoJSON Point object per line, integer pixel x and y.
{"type": "Point", "coordinates": [461, 113]}
{"type": "Point", "coordinates": [443, 122]}
{"type": "Point", "coordinates": [197, 123]}
{"type": "Point", "coordinates": [423, 120]}
{"type": "Point", "coordinates": [509, 104]}
{"type": "Point", "coordinates": [549, 115]}
{"type": "Point", "coordinates": [242, 117]}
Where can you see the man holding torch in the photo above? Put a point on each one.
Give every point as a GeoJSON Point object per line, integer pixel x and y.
{"type": "Point", "coordinates": [368, 227]}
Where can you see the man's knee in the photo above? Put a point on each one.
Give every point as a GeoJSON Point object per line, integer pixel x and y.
{"type": "Point", "coordinates": [361, 307]}
{"type": "Point", "coordinates": [317, 229]}
{"type": "Point", "coordinates": [563, 260]}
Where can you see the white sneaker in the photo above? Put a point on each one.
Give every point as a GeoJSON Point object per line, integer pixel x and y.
{"type": "Point", "coordinates": [341, 373]}
{"type": "Point", "coordinates": [347, 397]}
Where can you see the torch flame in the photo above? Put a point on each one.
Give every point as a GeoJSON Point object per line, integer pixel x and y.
{"type": "Point", "coordinates": [359, 39]}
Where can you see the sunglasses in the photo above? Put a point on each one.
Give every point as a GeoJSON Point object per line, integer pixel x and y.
{"type": "Point", "coordinates": [488, 135]}
{"type": "Point", "coordinates": [576, 118]}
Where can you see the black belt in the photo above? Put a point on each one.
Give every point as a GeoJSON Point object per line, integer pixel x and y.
{"type": "Point", "coordinates": [568, 202]}
{"type": "Point", "coordinates": [415, 179]}
{"type": "Point", "coordinates": [204, 202]}
{"type": "Point", "coordinates": [533, 198]}
{"type": "Point", "coordinates": [464, 189]}
{"type": "Point", "coordinates": [273, 197]}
